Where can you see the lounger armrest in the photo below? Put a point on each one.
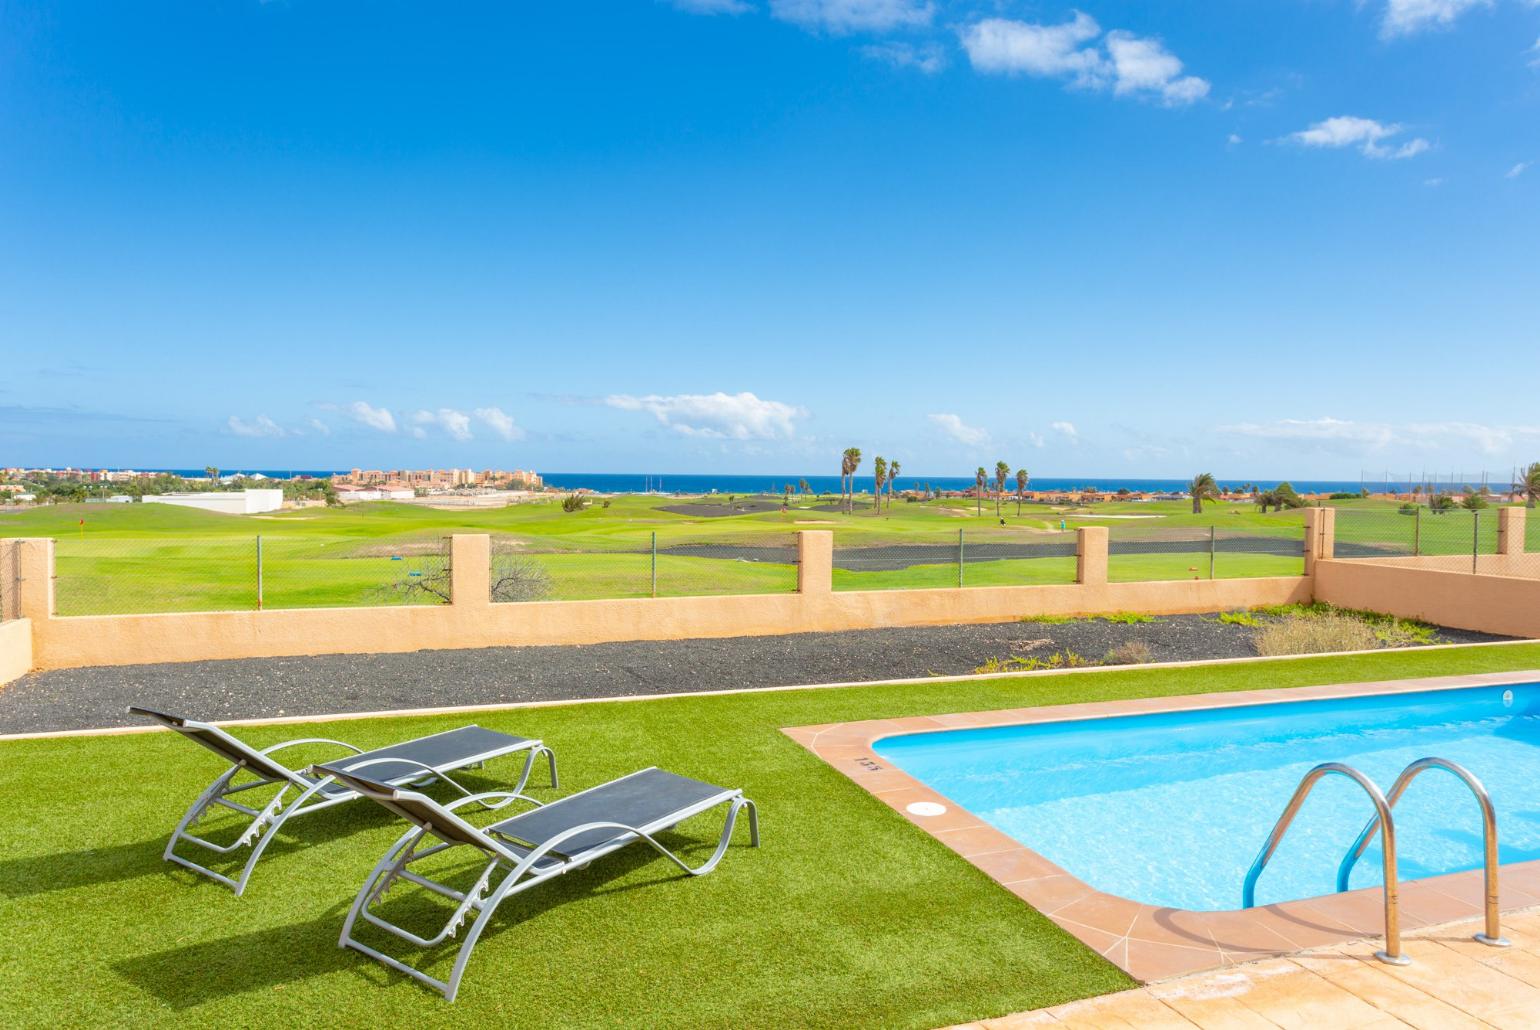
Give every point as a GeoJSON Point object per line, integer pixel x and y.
{"type": "Point", "coordinates": [311, 740]}
{"type": "Point", "coordinates": [428, 770]}
{"type": "Point", "coordinates": [508, 796]}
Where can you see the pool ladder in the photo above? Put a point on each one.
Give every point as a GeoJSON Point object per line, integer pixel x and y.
{"type": "Point", "coordinates": [1383, 821]}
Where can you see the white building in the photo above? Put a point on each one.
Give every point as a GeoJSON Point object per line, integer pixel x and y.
{"type": "Point", "coordinates": [233, 502]}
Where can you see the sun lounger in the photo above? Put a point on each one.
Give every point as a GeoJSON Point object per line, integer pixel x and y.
{"type": "Point", "coordinates": [415, 762]}
{"type": "Point", "coordinates": [525, 850]}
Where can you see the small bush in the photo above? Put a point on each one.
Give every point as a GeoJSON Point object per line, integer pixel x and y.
{"type": "Point", "coordinates": [572, 503]}
{"type": "Point", "coordinates": [1018, 663]}
{"type": "Point", "coordinates": [1315, 634]}
{"type": "Point", "coordinates": [1239, 619]}
{"type": "Point", "coordinates": [1133, 652]}
{"type": "Point", "coordinates": [1127, 618]}
{"type": "Point", "coordinates": [1051, 620]}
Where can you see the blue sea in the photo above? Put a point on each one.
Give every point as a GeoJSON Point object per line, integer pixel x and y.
{"type": "Point", "coordinates": [741, 485]}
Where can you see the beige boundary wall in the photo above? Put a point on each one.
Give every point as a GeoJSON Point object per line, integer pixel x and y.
{"type": "Point", "coordinates": [15, 649]}
{"type": "Point", "coordinates": [471, 620]}
{"type": "Point", "coordinates": [1418, 589]}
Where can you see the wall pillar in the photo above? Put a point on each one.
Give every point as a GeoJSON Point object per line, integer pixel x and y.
{"type": "Point", "coordinates": [1091, 555]}
{"type": "Point", "coordinates": [1320, 536]}
{"type": "Point", "coordinates": [815, 561]}
{"type": "Point", "coordinates": [1510, 530]}
{"type": "Point", "coordinates": [470, 570]}
{"type": "Point", "coordinates": [27, 565]}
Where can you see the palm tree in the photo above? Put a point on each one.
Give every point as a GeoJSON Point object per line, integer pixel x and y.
{"type": "Point", "coordinates": [1022, 479]}
{"type": "Point", "coordinates": [1202, 488]}
{"type": "Point", "coordinates": [1529, 485]}
{"type": "Point", "coordinates": [803, 488]}
{"type": "Point", "coordinates": [211, 471]}
{"type": "Point", "coordinates": [879, 476]}
{"type": "Point", "coordinates": [849, 462]}
{"type": "Point", "coordinates": [1002, 473]}
{"type": "Point", "coordinates": [892, 475]}
{"type": "Point", "coordinates": [980, 477]}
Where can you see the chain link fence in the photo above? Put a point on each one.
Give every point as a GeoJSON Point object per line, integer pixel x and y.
{"type": "Point", "coordinates": [967, 558]}
{"type": "Point", "coordinates": [639, 566]}
{"type": "Point", "coordinates": [1142, 553]}
{"type": "Point", "coordinates": [130, 576]}
{"type": "Point", "coordinates": [1451, 540]}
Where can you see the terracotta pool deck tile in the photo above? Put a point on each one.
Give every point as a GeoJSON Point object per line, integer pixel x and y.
{"type": "Point", "coordinates": [1471, 986]}
{"type": "Point", "coordinates": [953, 818]}
{"type": "Point", "coordinates": [1048, 894]}
{"type": "Point", "coordinates": [1423, 905]}
{"type": "Point", "coordinates": [1128, 1009]}
{"type": "Point", "coordinates": [1211, 1002]}
{"type": "Point", "coordinates": [1149, 961]}
{"type": "Point", "coordinates": [1018, 864]}
{"type": "Point", "coordinates": [1406, 1002]}
{"type": "Point", "coordinates": [1020, 1021]}
{"type": "Point", "coordinates": [1297, 999]}
{"type": "Point", "coordinates": [980, 840]}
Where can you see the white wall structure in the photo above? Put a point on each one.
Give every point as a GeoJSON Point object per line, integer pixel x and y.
{"type": "Point", "coordinates": [232, 502]}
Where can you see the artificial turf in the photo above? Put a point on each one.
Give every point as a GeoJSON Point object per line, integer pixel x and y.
{"type": "Point", "coordinates": [847, 916]}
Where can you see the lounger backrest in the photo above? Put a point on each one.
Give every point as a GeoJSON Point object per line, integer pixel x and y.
{"type": "Point", "coordinates": [222, 744]}
{"type": "Point", "coordinates": [415, 808]}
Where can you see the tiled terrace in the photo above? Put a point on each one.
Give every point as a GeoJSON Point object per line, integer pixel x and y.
{"type": "Point", "coordinates": [1452, 982]}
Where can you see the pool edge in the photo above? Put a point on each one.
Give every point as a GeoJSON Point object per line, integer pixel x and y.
{"type": "Point", "coordinates": [1145, 941]}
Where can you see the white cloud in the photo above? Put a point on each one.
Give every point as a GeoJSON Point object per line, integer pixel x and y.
{"type": "Point", "coordinates": [456, 423]}
{"type": "Point", "coordinates": [374, 418]}
{"type": "Point", "coordinates": [419, 433]}
{"type": "Point", "coordinates": [927, 59]}
{"type": "Point", "coordinates": [713, 6]}
{"type": "Point", "coordinates": [1049, 51]}
{"type": "Point", "coordinates": [501, 423]}
{"type": "Point", "coordinates": [842, 16]}
{"type": "Point", "coordinates": [1404, 17]}
{"type": "Point", "coordinates": [1036, 440]}
{"type": "Point", "coordinates": [1234, 139]}
{"type": "Point", "coordinates": [259, 426]}
{"type": "Point", "coordinates": [737, 416]}
{"type": "Point", "coordinates": [320, 427]}
{"type": "Point", "coordinates": [957, 429]}
{"type": "Point", "coordinates": [1132, 65]}
{"type": "Point", "coordinates": [1368, 135]}
{"type": "Point", "coordinates": [1066, 429]}
{"type": "Point", "coordinates": [1517, 170]}
{"type": "Point", "coordinates": [1435, 181]}
{"type": "Point", "coordinates": [1534, 61]}
{"type": "Point", "coordinates": [1373, 436]}
{"type": "Point", "coordinates": [1145, 65]}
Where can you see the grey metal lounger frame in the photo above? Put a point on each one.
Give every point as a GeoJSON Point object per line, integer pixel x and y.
{"type": "Point", "coordinates": [524, 867]}
{"type": "Point", "coordinates": [314, 792]}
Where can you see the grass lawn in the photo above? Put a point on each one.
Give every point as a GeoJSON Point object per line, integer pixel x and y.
{"type": "Point", "coordinates": [847, 916]}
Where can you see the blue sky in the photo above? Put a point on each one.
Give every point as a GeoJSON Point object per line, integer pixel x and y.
{"type": "Point", "coordinates": [1278, 238]}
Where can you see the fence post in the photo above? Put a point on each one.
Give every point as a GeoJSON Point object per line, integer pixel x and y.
{"type": "Point", "coordinates": [1091, 555]}
{"type": "Point", "coordinates": [1320, 536]}
{"type": "Point", "coordinates": [259, 572]}
{"type": "Point", "coordinates": [1475, 542]}
{"type": "Point", "coordinates": [1510, 531]}
{"type": "Point", "coordinates": [34, 583]}
{"type": "Point", "coordinates": [959, 559]}
{"type": "Point", "coordinates": [1211, 552]}
{"type": "Point", "coordinates": [654, 564]}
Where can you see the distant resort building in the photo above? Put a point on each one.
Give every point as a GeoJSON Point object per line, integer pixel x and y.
{"type": "Point", "coordinates": [226, 502]}
{"type": "Point", "coordinates": [439, 479]}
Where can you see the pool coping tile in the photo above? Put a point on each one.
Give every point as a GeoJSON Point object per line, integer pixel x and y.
{"type": "Point", "coordinates": [1148, 942]}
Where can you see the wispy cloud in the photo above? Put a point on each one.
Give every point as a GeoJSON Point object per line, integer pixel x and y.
{"type": "Point", "coordinates": [500, 423]}
{"type": "Point", "coordinates": [259, 426]}
{"type": "Point", "coordinates": [1368, 135]}
{"type": "Point", "coordinates": [374, 418]}
{"type": "Point", "coordinates": [928, 59]}
{"type": "Point", "coordinates": [1517, 170]}
{"type": "Point", "coordinates": [844, 16]}
{"type": "Point", "coordinates": [1076, 52]}
{"type": "Point", "coordinates": [1065, 429]}
{"type": "Point", "coordinates": [1350, 435]}
{"type": "Point", "coordinates": [456, 423]}
{"type": "Point", "coordinates": [736, 416]}
{"type": "Point", "coordinates": [954, 427]}
{"type": "Point", "coordinates": [1404, 17]}
{"type": "Point", "coordinates": [319, 426]}
{"type": "Point", "coordinates": [712, 6]}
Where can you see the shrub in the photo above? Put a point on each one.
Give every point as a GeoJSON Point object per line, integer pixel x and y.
{"type": "Point", "coordinates": [1239, 619]}
{"type": "Point", "coordinates": [1127, 618]}
{"type": "Point", "coordinates": [1018, 663]}
{"type": "Point", "coordinates": [572, 503]}
{"type": "Point", "coordinates": [517, 578]}
{"type": "Point", "coordinates": [1316, 634]}
{"type": "Point", "coordinates": [1132, 652]}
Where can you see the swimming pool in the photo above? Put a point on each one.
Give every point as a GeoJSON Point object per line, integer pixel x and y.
{"type": "Point", "coordinates": [1170, 808]}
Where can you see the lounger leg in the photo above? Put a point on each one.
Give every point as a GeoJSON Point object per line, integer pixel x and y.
{"type": "Point", "coordinates": [387, 862]}
{"type": "Point", "coordinates": [272, 831]}
{"type": "Point", "coordinates": [198, 807]}
{"type": "Point", "coordinates": [474, 933]}
{"type": "Point", "coordinates": [529, 767]}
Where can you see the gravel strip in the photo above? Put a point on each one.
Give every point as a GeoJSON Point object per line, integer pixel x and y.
{"type": "Point", "coordinates": [254, 688]}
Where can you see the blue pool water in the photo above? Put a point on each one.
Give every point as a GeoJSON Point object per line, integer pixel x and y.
{"type": "Point", "coordinates": [1170, 809]}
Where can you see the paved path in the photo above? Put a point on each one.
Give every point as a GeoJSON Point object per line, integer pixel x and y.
{"type": "Point", "coordinates": [1452, 982]}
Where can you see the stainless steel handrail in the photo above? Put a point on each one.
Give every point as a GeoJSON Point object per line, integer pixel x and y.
{"type": "Point", "coordinates": [1392, 952]}
{"type": "Point", "coordinates": [1493, 934]}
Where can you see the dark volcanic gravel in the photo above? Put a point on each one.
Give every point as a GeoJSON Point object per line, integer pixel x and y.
{"type": "Point", "coordinates": [271, 687]}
